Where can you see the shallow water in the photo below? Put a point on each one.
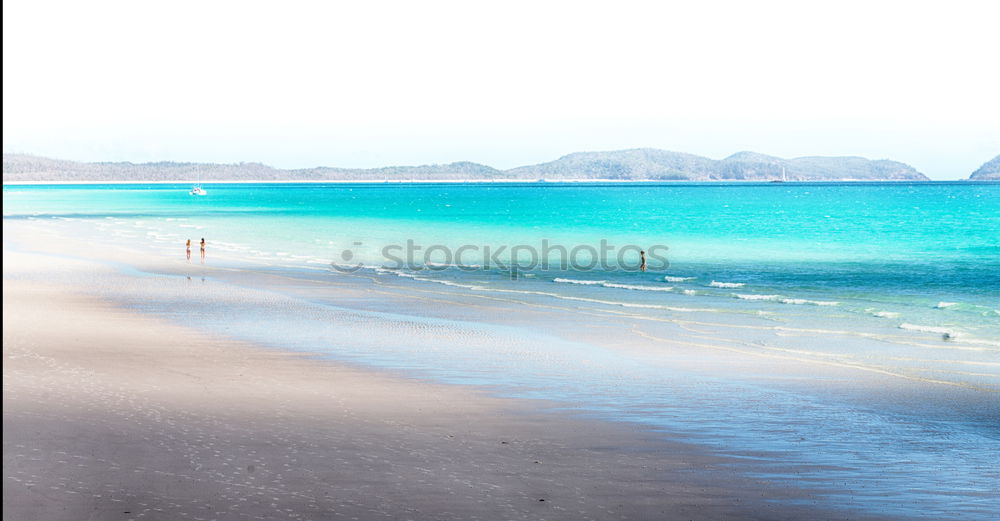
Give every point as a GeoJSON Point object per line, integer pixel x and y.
{"type": "Point", "coordinates": [845, 336]}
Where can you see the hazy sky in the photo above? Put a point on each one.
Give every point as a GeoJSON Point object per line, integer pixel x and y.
{"type": "Point", "coordinates": [370, 83]}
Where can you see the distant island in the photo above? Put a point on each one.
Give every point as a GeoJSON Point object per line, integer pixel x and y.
{"type": "Point", "coordinates": [990, 171]}
{"type": "Point", "coordinates": [641, 164]}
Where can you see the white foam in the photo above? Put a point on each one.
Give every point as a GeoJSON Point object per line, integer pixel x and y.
{"type": "Point", "coordinates": [716, 284]}
{"type": "Point", "coordinates": [638, 288]}
{"type": "Point", "coordinates": [450, 283]}
{"type": "Point", "coordinates": [802, 301]}
{"type": "Point", "coordinates": [577, 281]}
{"type": "Point", "coordinates": [885, 314]}
{"type": "Point", "coordinates": [757, 297]}
{"type": "Point", "coordinates": [928, 329]}
{"type": "Point", "coordinates": [560, 296]}
{"type": "Point", "coordinates": [690, 292]}
{"type": "Point", "coordinates": [783, 300]}
{"type": "Point", "coordinates": [625, 304]}
{"type": "Point", "coordinates": [668, 278]}
{"type": "Point", "coordinates": [945, 305]}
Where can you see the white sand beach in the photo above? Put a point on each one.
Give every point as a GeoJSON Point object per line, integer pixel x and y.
{"type": "Point", "coordinates": [113, 414]}
{"type": "Point", "coordinates": [459, 261]}
{"type": "Point", "coordinates": [115, 408]}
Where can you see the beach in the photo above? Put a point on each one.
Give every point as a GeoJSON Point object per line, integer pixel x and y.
{"type": "Point", "coordinates": [114, 414]}
{"type": "Point", "coordinates": [546, 262]}
{"type": "Point", "coordinates": [262, 383]}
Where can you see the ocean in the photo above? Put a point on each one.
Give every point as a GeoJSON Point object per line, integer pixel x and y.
{"type": "Point", "coordinates": [885, 297]}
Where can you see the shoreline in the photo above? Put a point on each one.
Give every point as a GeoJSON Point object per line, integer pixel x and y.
{"type": "Point", "coordinates": [257, 308]}
{"type": "Point", "coordinates": [120, 413]}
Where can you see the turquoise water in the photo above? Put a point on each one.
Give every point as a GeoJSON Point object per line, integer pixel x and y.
{"type": "Point", "coordinates": [948, 224]}
{"type": "Point", "coordinates": [926, 255]}
{"type": "Point", "coordinates": [898, 280]}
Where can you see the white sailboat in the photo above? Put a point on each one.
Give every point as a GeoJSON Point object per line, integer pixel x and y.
{"type": "Point", "coordinates": [783, 177]}
{"type": "Point", "coordinates": [197, 189]}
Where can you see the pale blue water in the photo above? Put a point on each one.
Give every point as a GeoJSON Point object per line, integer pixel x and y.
{"type": "Point", "coordinates": [897, 249]}
{"type": "Point", "coordinates": [901, 279]}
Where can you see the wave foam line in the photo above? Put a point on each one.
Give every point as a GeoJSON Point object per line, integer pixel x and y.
{"type": "Point", "coordinates": [637, 288]}
{"type": "Point", "coordinates": [626, 304]}
{"type": "Point", "coordinates": [578, 281]}
{"type": "Point", "coordinates": [716, 284]}
{"type": "Point", "coordinates": [779, 298]}
{"type": "Point", "coordinates": [560, 296]}
{"type": "Point", "coordinates": [951, 334]}
{"type": "Point", "coordinates": [756, 297]}
{"type": "Point", "coordinates": [928, 329]}
{"type": "Point", "coordinates": [802, 301]}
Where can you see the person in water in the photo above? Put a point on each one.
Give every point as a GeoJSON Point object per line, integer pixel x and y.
{"type": "Point", "coordinates": [202, 249]}
{"type": "Point", "coordinates": [188, 247]}
{"type": "Point", "coordinates": [642, 260]}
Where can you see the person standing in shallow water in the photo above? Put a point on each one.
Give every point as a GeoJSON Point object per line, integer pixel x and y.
{"type": "Point", "coordinates": [642, 260]}
{"type": "Point", "coordinates": [202, 249]}
{"type": "Point", "coordinates": [188, 248]}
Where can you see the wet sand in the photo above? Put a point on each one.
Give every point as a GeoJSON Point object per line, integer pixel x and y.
{"type": "Point", "coordinates": [112, 414]}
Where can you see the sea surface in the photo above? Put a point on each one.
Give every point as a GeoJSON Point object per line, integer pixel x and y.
{"type": "Point", "coordinates": [895, 282]}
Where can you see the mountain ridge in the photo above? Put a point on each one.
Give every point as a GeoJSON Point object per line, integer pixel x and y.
{"type": "Point", "coordinates": [636, 164]}
{"type": "Point", "coordinates": [989, 171]}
